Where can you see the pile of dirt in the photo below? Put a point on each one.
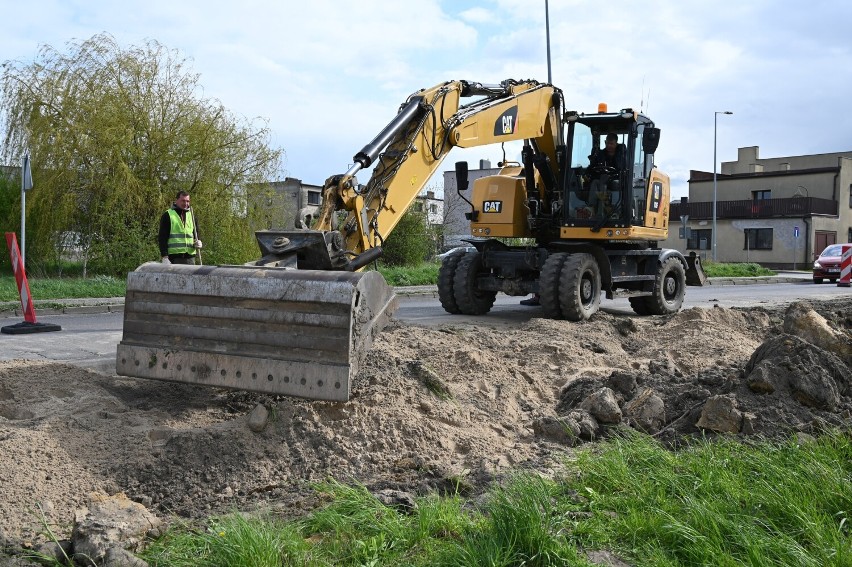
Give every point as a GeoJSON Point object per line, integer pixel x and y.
{"type": "Point", "coordinates": [434, 409]}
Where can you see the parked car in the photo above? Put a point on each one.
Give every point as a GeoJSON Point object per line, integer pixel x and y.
{"type": "Point", "coordinates": [827, 266]}
{"type": "Point", "coordinates": [457, 250]}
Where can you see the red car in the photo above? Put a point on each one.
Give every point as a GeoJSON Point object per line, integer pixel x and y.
{"type": "Point", "coordinates": [827, 266]}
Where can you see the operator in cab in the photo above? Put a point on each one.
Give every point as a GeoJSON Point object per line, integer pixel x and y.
{"type": "Point", "coordinates": [602, 178]}
{"type": "Point", "coordinates": [613, 155]}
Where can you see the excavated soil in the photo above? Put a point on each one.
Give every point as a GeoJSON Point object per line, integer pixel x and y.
{"type": "Point", "coordinates": [434, 409]}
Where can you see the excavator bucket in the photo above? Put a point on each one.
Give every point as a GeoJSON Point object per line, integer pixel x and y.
{"type": "Point", "coordinates": [273, 330]}
{"type": "Point", "coordinates": [695, 275]}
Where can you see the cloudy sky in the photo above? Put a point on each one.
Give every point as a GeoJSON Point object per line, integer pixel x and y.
{"type": "Point", "coordinates": [327, 75]}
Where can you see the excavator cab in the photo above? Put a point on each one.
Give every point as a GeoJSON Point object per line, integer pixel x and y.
{"type": "Point", "coordinates": [612, 189]}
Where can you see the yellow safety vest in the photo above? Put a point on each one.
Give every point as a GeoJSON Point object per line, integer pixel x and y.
{"type": "Point", "coordinates": [180, 234]}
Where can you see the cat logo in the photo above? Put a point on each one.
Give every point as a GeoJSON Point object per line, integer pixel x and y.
{"type": "Point", "coordinates": [492, 206]}
{"type": "Point", "coordinates": [507, 122]}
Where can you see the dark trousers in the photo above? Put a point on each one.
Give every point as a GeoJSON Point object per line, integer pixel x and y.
{"type": "Point", "coordinates": [182, 259]}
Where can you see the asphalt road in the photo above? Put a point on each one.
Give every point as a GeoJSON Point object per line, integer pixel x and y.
{"type": "Point", "coordinates": [89, 339]}
{"type": "Point", "coordinates": [425, 310]}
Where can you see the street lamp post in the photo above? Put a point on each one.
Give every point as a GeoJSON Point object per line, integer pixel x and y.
{"type": "Point", "coordinates": [715, 121]}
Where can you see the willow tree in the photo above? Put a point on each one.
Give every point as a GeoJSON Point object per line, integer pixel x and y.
{"type": "Point", "coordinates": [113, 133]}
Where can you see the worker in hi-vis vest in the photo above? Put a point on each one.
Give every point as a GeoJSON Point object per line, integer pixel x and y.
{"type": "Point", "coordinates": [178, 237]}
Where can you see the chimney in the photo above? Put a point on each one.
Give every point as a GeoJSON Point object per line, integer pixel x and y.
{"type": "Point", "coordinates": [484, 164]}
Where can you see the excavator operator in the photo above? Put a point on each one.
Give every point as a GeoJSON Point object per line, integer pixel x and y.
{"type": "Point", "coordinates": [613, 155]}
{"type": "Point", "coordinates": [602, 177]}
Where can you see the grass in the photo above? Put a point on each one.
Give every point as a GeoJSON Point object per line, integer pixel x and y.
{"type": "Point", "coordinates": [719, 503]}
{"type": "Point", "coordinates": [64, 288]}
{"type": "Point", "coordinates": [424, 274]}
{"type": "Point", "coordinates": [743, 270]}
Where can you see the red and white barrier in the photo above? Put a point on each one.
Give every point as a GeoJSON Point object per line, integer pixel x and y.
{"type": "Point", "coordinates": [845, 266]}
{"type": "Point", "coordinates": [21, 278]}
{"type": "Point", "coordinates": [29, 325]}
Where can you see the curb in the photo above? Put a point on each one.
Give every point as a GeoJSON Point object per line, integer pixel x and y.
{"type": "Point", "coordinates": [116, 304]}
{"type": "Point", "coordinates": [65, 307]}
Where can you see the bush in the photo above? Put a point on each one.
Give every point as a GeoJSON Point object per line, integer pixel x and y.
{"type": "Point", "coordinates": [410, 243]}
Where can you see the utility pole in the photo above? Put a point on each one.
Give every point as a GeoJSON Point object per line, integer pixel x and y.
{"type": "Point", "coordinates": [547, 27]}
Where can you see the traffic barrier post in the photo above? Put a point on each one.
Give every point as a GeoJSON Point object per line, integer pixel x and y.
{"type": "Point", "coordinates": [29, 325]}
{"type": "Point", "coordinates": [845, 266]}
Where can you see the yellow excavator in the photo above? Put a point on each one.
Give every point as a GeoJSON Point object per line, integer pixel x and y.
{"type": "Point", "coordinates": [567, 223]}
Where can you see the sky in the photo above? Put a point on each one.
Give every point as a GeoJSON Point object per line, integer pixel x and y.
{"type": "Point", "coordinates": [327, 75]}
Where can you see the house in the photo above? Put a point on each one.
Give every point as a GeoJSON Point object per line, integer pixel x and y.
{"type": "Point", "coordinates": [431, 205]}
{"type": "Point", "coordinates": [779, 212]}
{"type": "Point", "coordinates": [296, 200]}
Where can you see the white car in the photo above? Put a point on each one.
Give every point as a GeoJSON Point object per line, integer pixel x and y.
{"type": "Point", "coordinates": [457, 250]}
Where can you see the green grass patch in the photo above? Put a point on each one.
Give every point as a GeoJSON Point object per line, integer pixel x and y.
{"type": "Point", "coordinates": [424, 274]}
{"type": "Point", "coordinates": [235, 540]}
{"type": "Point", "coordinates": [64, 288]}
{"type": "Point", "coordinates": [719, 503]}
{"type": "Point", "coordinates": [729, 270]}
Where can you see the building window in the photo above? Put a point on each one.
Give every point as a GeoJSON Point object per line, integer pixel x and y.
{"type": "Point", "coordinates": [433, 208]}
{"type": "Point", "coordinates": [849, 235]}
{"type": "Point", "coordinates": [850, 195]}
{"type": "Point", "coordinates": [758, 239]}
{"type": "Point", "coordinates": [699, 239]}
{"type": "Point", "coordinates": [314, 198]}
{"type": "Point", "coordinates": [764, 195]}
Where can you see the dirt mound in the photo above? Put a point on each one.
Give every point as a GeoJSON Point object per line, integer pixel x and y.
{"type": "Point", "coordinates": [434, 409]}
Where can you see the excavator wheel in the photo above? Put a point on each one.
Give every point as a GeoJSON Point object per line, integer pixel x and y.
{"type": "Point", "coordinates": [580, 287]}
{"type": "Point", "coordinates": [469, 299]}
{"type": "Point", "coordinates": [549, 285]}
{"type": "Point", "coordinates": [669, 289]}
{"type": "Point", "coordinates": [446, 275]}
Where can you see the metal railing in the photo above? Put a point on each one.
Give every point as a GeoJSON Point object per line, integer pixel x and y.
{"type": "Point", "coordinates": [750, 209]}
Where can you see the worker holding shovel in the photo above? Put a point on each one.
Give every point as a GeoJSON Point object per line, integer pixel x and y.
{"type": "Point", "coordinates": [178, 236]}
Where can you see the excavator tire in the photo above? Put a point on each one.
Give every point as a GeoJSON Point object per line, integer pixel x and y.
{"type": "Point", "coordinates": [580, 287]}
{"type": "Point", "coordinates": [549, 284]}
{"type": "Point", "coordinates": [273, 330]}
{"type": "Point", "coordinates": [446, 276]}
{"type": "Point", "coordinates": [469, 299]}
{"type": "Point", "coordinates": [669, 288]}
